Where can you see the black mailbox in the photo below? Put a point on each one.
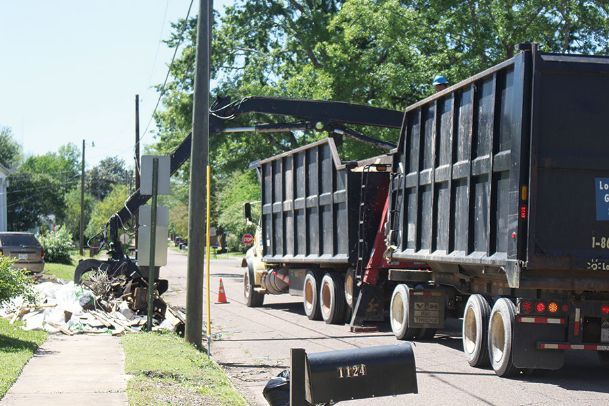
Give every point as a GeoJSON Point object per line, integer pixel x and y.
{"type": "Point", "coordinates": [360, 373]}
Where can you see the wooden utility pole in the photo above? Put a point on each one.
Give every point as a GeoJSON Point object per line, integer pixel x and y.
{"type": "Point", "coordinates": [199, 156]}
{"type": "Point", "coordinates": [137, 162]}
{"type": "Point", "coordinates": [82, 199]}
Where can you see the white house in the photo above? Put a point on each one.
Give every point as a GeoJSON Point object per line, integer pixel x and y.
{"type": "Point", "coordinates": [4, 172]}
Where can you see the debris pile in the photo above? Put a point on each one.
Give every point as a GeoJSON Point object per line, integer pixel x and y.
{"type": "Point", "coordinates": [102, 304]}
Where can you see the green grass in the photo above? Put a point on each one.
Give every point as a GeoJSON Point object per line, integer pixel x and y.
{"type": "Point", "coordinates": [166, 370]}
{"type": "Point", "coordinates": [65, 271]}
{"type": "Point", "coordinates": [61, 271]}
{"type": "Point", "coordinates": [16, 347]}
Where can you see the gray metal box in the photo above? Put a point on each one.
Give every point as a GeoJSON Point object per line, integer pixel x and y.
{"type": "Point", "coordinates": [160, 252]}
{"type": "Point", "coordinates": [164, 174]}
{"type": "Point", "coordinates": [162, 216]}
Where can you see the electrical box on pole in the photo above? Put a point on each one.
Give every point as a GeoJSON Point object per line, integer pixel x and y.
{"type": "Point", "coordinates": [163, 174]}
{"type": "Point", "coordinates": [162, 232]}
{"type": "Point", "coordinates": [155, 176]}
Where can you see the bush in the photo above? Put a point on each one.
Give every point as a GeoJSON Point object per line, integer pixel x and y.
{"type": "Point", "coordinates": [57, 245]}
{"type": "Point", "coordinates": [13, 282]}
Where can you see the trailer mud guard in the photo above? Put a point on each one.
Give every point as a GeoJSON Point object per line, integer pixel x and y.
{"type": "Point", "coordinates": [525, 354]}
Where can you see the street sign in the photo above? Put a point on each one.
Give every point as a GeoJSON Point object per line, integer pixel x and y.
{"type": "Point", "coordinates": [247, 239]}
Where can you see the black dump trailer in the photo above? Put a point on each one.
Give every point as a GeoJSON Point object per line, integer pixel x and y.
{"type": "Point", "coordinates": [317, 214]}
{"type": "Point", "coordinates": [501, 185]}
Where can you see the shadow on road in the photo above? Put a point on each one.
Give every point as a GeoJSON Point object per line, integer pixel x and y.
{"type": "Point", "coordinates": [292, 307]}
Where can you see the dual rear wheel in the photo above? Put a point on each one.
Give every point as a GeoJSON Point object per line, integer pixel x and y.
{"type": "Point", "coordinates": [324, 297]}
{"type": "Point", "coordinates": [488, 334]}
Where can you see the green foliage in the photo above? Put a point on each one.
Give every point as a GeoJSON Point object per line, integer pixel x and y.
{"type": "Point", "coordinates": [16, 347]}
{"type": "Point", "coordinates": [72, 210]}
{"type": "Point", "coordinates": [38, 187]}
{"type": "Point", "coordinates": [109, 172]}
{"type": "Point", "coordinates": [382, 53]}
{"type": "Point", "coordinates": [10, 150]}
{"type": "Point", "coordinates": [239, 187]}
{"type": "Point", "coordinates": [103, 210]}
{"type": "Point", "coordinates": [13, 282]}
{"type": "Point", "coordinates": [57, 245]}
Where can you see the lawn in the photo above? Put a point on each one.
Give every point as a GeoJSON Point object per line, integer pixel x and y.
{"type": "Point", "coordinates": [166, 370]}
{"type": "Point", "coordinates": [16, 347]}
{"type": "Point", "coordinates": [65, 271]}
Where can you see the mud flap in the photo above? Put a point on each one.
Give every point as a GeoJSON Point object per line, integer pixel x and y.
{"type": "Point", "coordinates": [525, 354]}
{"type": "Point", "coordinates": [369, 305]}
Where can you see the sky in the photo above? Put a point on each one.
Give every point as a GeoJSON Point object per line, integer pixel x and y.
{"type": "Point", "coordinates": [70, 70]}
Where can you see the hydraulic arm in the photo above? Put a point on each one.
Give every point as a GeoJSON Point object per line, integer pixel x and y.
{"type": "Point", "coordinates": [319, 115]}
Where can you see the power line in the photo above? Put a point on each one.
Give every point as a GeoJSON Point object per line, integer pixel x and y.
{"type": "Point", "coordinates": [175, 52]}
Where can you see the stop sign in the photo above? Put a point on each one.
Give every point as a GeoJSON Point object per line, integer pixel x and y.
{"type": "Point", "coordinates": [247, 239]}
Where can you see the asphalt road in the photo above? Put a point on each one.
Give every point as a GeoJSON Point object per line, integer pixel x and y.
{"type": "Point", "coordinates": [253, 344]}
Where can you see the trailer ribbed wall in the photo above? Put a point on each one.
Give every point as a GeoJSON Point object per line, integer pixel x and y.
{"type": "Point", "coordinates": [500, 171]}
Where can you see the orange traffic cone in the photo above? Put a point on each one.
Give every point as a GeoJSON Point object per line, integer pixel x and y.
{"type": "Point", "coordinates": [221, 294]}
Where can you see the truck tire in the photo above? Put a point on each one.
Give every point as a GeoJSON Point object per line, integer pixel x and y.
{"type": "Point", "coordinates": [398, 314]}
{"type": "Point", "coordinates": [310, 296]}
{"type": "Point", "coordinates": [332, 299]}
{"type": "Point", "coordinates": [475, 330]}
{"type": "Point", "coordinates": [252, 297]}
{"type": "Point", "coordinates": [501, 337]}
{"type": "Point", "coordinates": [351, 290]}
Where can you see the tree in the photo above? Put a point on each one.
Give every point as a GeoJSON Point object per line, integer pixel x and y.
{"type": "Point", "coordinates": [383, 53]}
{"type": "Point", "coordinates": [72, 210]}
{"type": "Point", "coordinates": [102, 210]}
{"type": "Point", "coordinates": [30, 197]}
{"type": "Point", "coordinates": [38, 187]}
{"type": "Point", "coordinates": [240, 187]}
{"type": "Point", "coordinates": [109, 172]}
{"type": "Point", "coordinates": [10, 151]}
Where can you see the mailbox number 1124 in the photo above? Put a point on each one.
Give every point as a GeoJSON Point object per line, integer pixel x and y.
{"type": "Point", "coordinates": [352, 371]}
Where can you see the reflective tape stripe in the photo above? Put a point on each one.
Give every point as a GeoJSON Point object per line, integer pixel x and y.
{"type": "Point", "coordinates": [563, 346]}
{"type": "Point", "coordinates": [540, 320]}
{"type": "Point", "coordinates": [576, 322]}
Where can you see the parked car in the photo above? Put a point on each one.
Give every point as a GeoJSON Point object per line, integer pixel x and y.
{"type": "Point", "coordinates": [24, 248]}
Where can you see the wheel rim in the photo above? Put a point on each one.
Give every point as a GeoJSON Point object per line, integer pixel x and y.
{"type": "Point", "coordinates": [308, 296]}
{"type": "Point", "coordinates": [326, 299]}
{"type": "Point", "coordinates": [470, 331]}
{"type": "Point", "coordinates": [349, 290]}
{"type": "Point", "coordinates": [246, 285]}
{"type": "Point", "coordinates": [397, 312]}
{"type": "Point", "coordinates": [497, 337]}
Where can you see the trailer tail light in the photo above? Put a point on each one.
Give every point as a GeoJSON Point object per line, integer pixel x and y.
{"type": "Point", "coordinates": [605, 310]}
{"type": "Point", "coordinates": [523, 212]}
{"type": "Point", "coordinates": [526, 306]}
{"type": "Point", "coordinates": [540, 307]}
{"type": "Point", "coordinates": [565, 308]}
{"type": "Point", "coordinates": [552, 307]}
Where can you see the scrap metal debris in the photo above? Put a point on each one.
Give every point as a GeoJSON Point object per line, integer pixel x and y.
{"type": "Point", "coordinates": [101, 304]}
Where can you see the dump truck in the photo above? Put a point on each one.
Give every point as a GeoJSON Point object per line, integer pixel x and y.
{"type": "Point", "coordinates": [494, 207]}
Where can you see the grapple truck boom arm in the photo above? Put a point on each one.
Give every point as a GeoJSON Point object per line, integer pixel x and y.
{"type": "Point", "coordinates": [320, 115]}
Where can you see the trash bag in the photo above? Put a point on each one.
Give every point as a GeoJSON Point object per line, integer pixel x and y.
{"type": "Point", "coordinates": [277, 390]}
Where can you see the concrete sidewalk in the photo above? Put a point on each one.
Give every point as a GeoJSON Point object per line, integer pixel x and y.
{"type": "Point", "coordinates": [82, 369]}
